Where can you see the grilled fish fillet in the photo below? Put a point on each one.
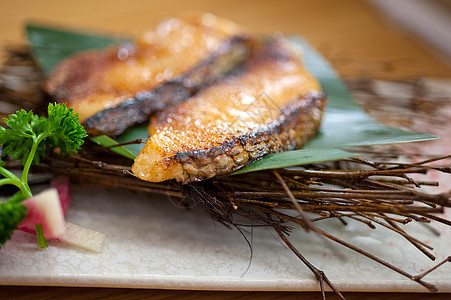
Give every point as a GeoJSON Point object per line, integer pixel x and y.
{"type": "Point", "coordinates": [121, 86]}
{"type": "Point", "coordinates": [273, 105]}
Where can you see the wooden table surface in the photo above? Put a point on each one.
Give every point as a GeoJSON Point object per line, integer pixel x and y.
{"type": "Point", "coordinates": [355, 38]}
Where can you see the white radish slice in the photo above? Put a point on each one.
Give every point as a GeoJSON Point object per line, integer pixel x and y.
{"type": "Point", "coordinates": [82, 238]}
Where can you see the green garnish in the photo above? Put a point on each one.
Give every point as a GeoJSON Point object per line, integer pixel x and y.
{"type": "Point", "coordinates": [29, 138]}
{"type": "Point", "coordinates": [11, 214]}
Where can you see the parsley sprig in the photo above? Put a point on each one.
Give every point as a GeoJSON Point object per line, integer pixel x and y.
{"type": "Point", "coordinates": [29, 138]}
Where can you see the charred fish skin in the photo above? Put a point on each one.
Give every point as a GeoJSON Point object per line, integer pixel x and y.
{"type": "Point", "coordinates": [274, 105]}
{"type": "Point", "coordinates": [298, 123]}
{"type": "Point", "coordinates": [120, 86]}
{"type": "Point", "coordinates": [115, 120]}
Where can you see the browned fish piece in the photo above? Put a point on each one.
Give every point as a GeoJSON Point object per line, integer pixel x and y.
{"type": "Point", "coordinates": [274, 105]}
{"type": "Point", "coordinates": [121, 86]}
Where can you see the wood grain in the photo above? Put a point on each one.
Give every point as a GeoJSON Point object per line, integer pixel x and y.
{"type": "Point", "coordinates": [44, 293]}
{"type": "Point", "coordinates": [351, 34]}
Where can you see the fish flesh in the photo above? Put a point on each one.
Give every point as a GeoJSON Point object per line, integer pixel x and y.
{"type": "Point", "coordinates": [272, 105]}
{"type": "Point", "coordinates": [118, 87]}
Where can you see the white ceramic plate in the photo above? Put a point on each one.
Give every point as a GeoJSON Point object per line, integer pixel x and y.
{"type": "Point", "coordinates": [152, 243]}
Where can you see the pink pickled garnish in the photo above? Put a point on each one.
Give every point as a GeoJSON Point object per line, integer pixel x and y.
{"type": "Point", "coordinates": [62, 185]}
{"type": "Point", "coordinates": [35, 215]}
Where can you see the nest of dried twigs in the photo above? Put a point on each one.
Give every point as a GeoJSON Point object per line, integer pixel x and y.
{"type": "Point", "coordinates": [374, 188]}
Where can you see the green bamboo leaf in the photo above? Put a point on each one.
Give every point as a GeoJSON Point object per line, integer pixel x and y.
{"type": "Point", "coordinates": [138, 132]}
{"type": "Point", "coordinates": [50, 44]}
{"type": "Point", "coordinates": [106, 141]}
{"type": "Point", "coordinates": [295, 158]}
{"type": "Point", "coordinates": [345, 124]}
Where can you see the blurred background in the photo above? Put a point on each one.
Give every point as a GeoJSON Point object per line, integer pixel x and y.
{"type": "Point", "coordinates": [374, 38]}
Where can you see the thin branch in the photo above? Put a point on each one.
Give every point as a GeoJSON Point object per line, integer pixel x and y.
{"type": "Point", "coordinates": [319, 275]}
{"type": "Point", "coordinates": [417, 277]}
{"type": "Point", "coordinates": [308, 224]}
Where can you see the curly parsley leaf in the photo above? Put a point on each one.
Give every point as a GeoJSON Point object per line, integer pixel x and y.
{"type": "Point", "coordinates": [18, 139]}
{"type": "Point", "coordinates": [28, 138]}
{"type": "Point", "coordinates": [60, 130]}
{"type": "Point", "coordinates": [65, 129]}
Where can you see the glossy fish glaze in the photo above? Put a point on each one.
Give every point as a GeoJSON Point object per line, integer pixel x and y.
{"type": "Point", "coordinates": [121, 86]}
{"type": "Point", "coordinates": [273, 105]}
